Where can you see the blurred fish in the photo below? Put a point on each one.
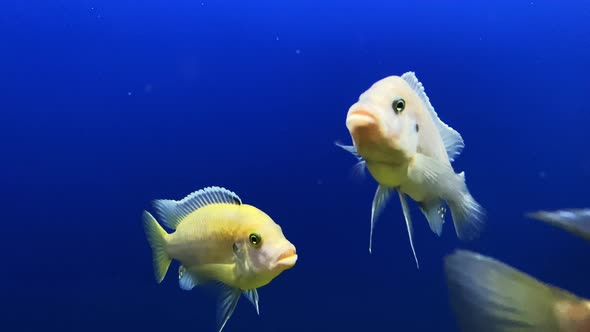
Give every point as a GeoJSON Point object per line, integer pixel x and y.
{"type": "Point", "coordinates": [575, 221]}
{"type": "Point", "coordinates": [489, 296]}
{"type": "Point", "coordinates": [218, 239]}
{"type": "Point", "coordinates": [400, 139]}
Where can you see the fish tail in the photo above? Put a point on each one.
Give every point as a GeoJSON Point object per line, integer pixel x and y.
{"type": "Point", "coordinates": [490, 296]}
{"type": "Point", "coordinates": [468, 215]}
{"type": "Point", "coordinates": [157, 236]}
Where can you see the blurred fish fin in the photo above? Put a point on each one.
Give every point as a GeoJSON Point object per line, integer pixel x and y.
{"type": "Point", "coordinates": [452, 140]}
{"type": "Point", "coordinates": [379, 200]}
{"type": "Point", "coordinates": [407, 216]}
{"type": "Point", "coordinates": [226, 304]}
{"type": "Point", "coordinates": [434, 211]}
{"type": "Point", "coordinates": [575, 221]}
{"type": "Point", "coordinates": [172, 212]}
{"type": "Point", "coordinates": [358, 170]}
{"type": "Point", "coordinates": [156, 236]}
{"type": "Point", "coordinates": [349, 148]}
{"type": "Point", "coordinates": [186, 280]}
{"type": "Point", "coordinates": [252, 296]}
{"type": "Point", "coordinates": [440, 180]}
{"type": "Point", "coordinates": [490, 296]}
{"type": "Point", "coordinates": [468, 216]}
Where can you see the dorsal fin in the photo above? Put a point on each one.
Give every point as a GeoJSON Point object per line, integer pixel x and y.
{"type": "Point", "coordinates": [171, 212]}
{"type": "Point", "coordinates": [452, 140]}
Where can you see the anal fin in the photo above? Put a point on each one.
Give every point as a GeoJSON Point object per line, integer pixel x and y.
{"type": "Point", "coordinates": [434, 211]}
{"type": "Point", "coordinates": [406, 209]}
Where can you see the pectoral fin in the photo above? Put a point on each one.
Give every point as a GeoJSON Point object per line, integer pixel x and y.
{"type": "Point", "coordinates": [406, 209]}
{"type": "Point", "coordinates": [379, 201]}
{"type": "Point", "coordinates": [434, 176]}
{"type": "Point", "coordinates": [358, 171]}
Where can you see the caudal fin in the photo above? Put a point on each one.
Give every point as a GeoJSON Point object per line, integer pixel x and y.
{"type": "Point", "coordinates": [468, 215]}
{"type": "Point", "coordinates": [156, 236]}
{"type": "Point", "coordinates": [489, 296]}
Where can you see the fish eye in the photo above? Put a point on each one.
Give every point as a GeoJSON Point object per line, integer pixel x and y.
{"type": "Point", "coordinates": [398, 105]}
{"type": "Point", "coordinates": [255, 239]}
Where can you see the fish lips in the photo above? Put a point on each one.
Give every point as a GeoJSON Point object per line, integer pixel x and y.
{"type": "Point", "coordinates": [287, 259]}
{"type": "Point", "coordinates": [361, 118]}
{"type": "Point", "coordinates": [364, 127]}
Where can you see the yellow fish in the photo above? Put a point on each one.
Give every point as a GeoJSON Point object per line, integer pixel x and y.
{"type": "Point", "coordinates": [218, 239]}
{"type": "Point", "coordinates": [400, 139]}
{"type": "Point", "coordinates": [575, 221]}
{"type": "Point", "coordinates": [490, 296]}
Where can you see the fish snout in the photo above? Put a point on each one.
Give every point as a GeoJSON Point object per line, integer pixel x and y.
{"type": "Point", "coordinates": [360, 117]}
{"type": "Point", "coordinates": [287, 258]}
{"type": "Point", "coordinates": [364, 127]}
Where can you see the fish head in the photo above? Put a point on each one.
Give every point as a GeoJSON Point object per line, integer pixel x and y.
{"type": "Point", "coordinates": [265, 252]}
{"type": "Point", "coordinates": [383, 123]}
{"type": "Point", "coordinates": [572, 313]}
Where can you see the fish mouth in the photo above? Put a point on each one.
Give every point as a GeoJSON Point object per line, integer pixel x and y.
{"type": "Point", "coordinates": [365, 129]}
{"type": "Point", "coordinates": [362, 115]}
{"type": "Point", "coordinates": [287, 259]}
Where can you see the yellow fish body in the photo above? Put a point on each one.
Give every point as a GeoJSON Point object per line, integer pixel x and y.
{"type": "Point", "coordinates": [217, 238]}
{"type": "Point", "coordinates": [400, 139]}
{"type": "Point", "coordinates": [487, 295]}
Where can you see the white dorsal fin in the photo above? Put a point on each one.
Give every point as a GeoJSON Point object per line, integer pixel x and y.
{"type": "Point", "coordinates": [452, 140]}
{"type": "Point", "coordinates": [172, 212]}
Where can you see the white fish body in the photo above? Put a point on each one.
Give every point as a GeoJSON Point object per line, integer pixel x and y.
{"type": "Point", "coordinates": [405, 146]}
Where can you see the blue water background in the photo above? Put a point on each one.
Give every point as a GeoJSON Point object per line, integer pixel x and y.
{"type": "Point", "coordinates": [106, 105]}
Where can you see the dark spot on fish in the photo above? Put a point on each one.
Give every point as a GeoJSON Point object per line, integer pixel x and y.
{"type": "Point", "coordinates": [417, 128]}
{"type": "Point", "coordinates": [235, 248]}
{"type": "Point", "coordinates": [236, 200]}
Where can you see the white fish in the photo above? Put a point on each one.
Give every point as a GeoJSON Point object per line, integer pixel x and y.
{"type": "Point", "coordinates": [400, 139]}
